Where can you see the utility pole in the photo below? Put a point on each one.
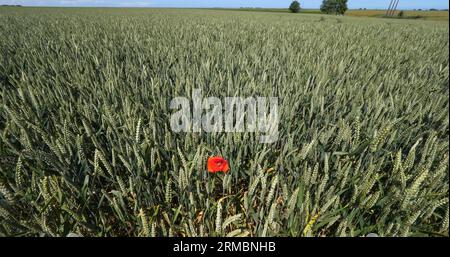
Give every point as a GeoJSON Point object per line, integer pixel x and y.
{"type": "Point", "coordinates": [392, 8]}
{"type": "Point", "coordinates": [388, 11]}
{"type": "Point", "coordinates": [395, 7]}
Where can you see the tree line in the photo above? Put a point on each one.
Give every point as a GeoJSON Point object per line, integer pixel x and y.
{"type": "Point", "coordinates": [338, 7]}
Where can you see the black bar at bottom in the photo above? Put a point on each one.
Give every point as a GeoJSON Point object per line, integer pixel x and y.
{"type": "Point", "coordinates": [223, 246]}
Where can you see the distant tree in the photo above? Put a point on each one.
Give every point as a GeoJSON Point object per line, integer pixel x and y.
{"type": "Point", "coordinates": [325, 7]}
{"type": "Point", "coordinates": [342, 6]}
{"type": "Point", "coordinates": [294, 7]}
{"type": "Point", "coordinates": [401, 14]}
{"type": "Point", "coordinates": [334, 7]}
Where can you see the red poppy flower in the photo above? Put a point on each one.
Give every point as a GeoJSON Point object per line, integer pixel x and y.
{"type": "Point", "coordinates": [217, 164]}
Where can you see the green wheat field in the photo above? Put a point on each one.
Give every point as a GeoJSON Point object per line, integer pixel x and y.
{"type": "Point", "coordinates": [86, 145]}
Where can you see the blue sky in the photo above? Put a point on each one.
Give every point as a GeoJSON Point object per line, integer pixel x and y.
{"type": "Point", "coordinates": [370, 4]}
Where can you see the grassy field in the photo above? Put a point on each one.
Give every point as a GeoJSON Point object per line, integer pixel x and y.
{"type": "Point", "coordinates": [420, 15]}
{"type": "Point", "coordinates": [408, 14]}
{"type": "Point", "coordinates": [86, 144]}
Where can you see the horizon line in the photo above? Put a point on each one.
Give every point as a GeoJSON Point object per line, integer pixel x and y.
{"type": "Point", "coordinates": [203, 7]}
